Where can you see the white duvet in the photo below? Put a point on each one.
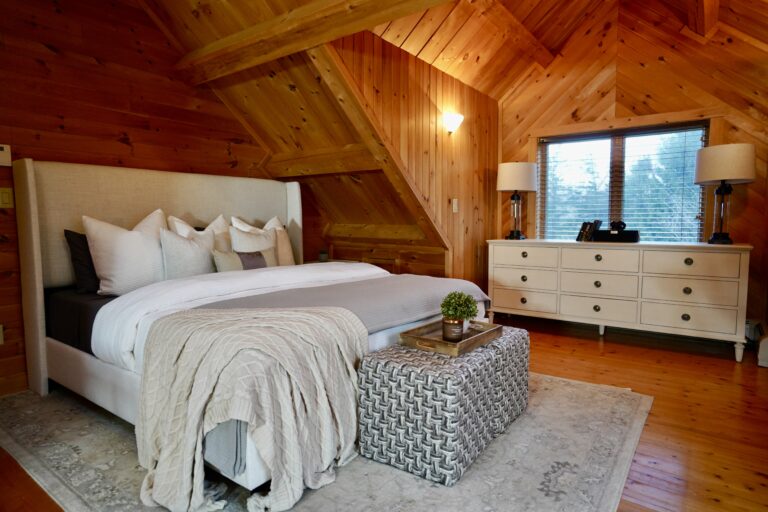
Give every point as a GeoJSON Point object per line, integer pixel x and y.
{"type": "Point", "coordinates": [121, 326]}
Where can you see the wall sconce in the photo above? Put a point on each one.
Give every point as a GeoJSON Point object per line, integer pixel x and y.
{"type": "Point", "coordinates": [452, 121]}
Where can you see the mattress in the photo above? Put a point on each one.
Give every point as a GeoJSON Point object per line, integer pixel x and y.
{"type": "Point", "coordinates": [69, 316]}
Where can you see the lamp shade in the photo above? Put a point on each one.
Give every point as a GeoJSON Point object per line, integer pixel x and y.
{"type": "Point", "coordinates": [734, 163]}
{"type": "Point", "coordinates": [516, 176]}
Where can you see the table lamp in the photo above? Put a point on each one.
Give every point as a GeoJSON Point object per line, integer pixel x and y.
{"type": "Point", "coordinates": [516, 177]}
{"type": "Point", "coordinates": [724, 165]}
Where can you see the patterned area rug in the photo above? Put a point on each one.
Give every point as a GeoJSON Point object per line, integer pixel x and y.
{"type": "Point", "coordinates": [570, 451]}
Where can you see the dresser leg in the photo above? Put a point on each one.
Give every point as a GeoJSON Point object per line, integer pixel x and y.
{"type": "Point", "coordinates": [739, 349]}
{"type": "Point", "coordinates": [601, 329]}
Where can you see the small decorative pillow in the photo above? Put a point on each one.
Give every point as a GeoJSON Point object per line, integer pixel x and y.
{"type": "Point", "coordinates": [263, 241]}
{"type": "Point", "coordinates": [218, 227]}
{"type": "Point", "coordinates": [184, 257]}
{"type": "Point", "coordinates": [228, 261]}
{"type": "Point", "coordinates": [125, 260]}
{"type": "Point", "coordinates": [86, 279]}
{"type": "Point", "coordinates": [283, 248]}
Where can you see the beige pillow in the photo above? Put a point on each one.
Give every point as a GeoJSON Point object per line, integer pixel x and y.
{"type": "Point", "coordinates": [184, 257]}
{"type": "Point", "coordinates": [218, 227]}
{"type": "Point", "coordinates": [283, 248]}
{"type": "Point", "coordinates": [126, 259]}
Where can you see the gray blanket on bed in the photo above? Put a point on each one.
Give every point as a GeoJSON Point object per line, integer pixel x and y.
{"type": "Point", "coordinates": [380, 303]}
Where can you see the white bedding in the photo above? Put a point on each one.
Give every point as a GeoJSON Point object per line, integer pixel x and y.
{"type": "Point", "coordinates": [121, 326]}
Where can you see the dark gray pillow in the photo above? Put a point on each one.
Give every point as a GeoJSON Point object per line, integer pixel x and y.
{"type": "Point", "coordinates": [86, 280]}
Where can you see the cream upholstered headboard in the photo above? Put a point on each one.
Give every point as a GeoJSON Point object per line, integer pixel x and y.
{"type": "Point", "coordinates": [53, 196]}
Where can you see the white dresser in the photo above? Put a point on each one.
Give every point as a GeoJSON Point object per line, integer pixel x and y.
{"type": "Point", "coordinates": [689, 289]}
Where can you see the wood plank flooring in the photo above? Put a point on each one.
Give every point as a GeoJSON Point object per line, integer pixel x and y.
{"type": "Point", "coordinates": [705, 444]}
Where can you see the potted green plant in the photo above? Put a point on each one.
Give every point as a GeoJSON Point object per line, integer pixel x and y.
{"type": "Point", "coordinates": [457, 307]}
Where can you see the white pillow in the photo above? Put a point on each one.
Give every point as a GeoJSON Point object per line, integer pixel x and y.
{"type": "Point", "coordinates": [184, 257]}
{"type": "Point", "coordinates": [284, 250]}
{"type": "Point", "coordinates": [125, 260]}
{"type": "Point", "coordinates": [264, 242]}
{"type": "Point", "coordinates": [218, 227]}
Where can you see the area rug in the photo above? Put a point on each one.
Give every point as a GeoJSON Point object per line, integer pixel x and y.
{"type": "Point", "coordinates": [570, 451]}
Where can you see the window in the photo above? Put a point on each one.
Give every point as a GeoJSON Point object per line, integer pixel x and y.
{"type": "Point", "coordinates": [644, 178]}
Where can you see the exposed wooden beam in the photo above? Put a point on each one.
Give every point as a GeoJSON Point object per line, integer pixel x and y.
{"type": "Point", "coordinates": [519, 35]}
{"type": "Point", "coordinates": [314, 23]}
{"type": "Point", "coordinates": [375, 231]}
{"type": "Point", "coordinates": [346, 159]}
{"type": "Point", "coordinates": [336, 77]}
{"type": "Point", "coordinates": [702, 16]}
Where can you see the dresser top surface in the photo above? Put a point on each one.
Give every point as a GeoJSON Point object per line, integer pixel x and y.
{"type": "Point", "coordinates": [613, 245]}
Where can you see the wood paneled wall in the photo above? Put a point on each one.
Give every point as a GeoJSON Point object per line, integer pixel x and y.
{"type": "Point", "coordinates": [632, 63]}
{"type": "Point", "coordinates": [409, 97]}
{"type": "Point", "coordinates": [89, 81]}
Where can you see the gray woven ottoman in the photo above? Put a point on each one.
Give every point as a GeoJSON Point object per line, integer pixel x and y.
{"type": "Point", "coordinates": [431, 414]}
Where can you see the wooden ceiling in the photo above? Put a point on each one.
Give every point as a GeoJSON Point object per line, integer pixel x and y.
{"type": "Point", "coordinates": [490, 44]}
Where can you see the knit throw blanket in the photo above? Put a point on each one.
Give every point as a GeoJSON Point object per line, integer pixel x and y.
{"type": "Point", "coordinates": [289, 373]}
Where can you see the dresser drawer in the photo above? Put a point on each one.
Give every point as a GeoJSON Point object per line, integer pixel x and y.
{"type": "Point", "coordinates": [699, 291]}
{"type": "Point", "coordinates": [710, 264]}
{"type": "Point", "coordinates": [698, 318]}
{"type": "Point", "coordinates": [526, 256]}
{"type": "Point", "coordinates": [525, 300]}
{"type": "Point", "coordinates": [526, 278]}
{"type": "Point", "coordinates": [599, 308]}
{"type": "Point", "coordinates": [612, 285]}
{"type": "Point", "coordinates": [601, 259]}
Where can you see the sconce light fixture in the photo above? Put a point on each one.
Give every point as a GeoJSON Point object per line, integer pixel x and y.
{"type": "Point", "coordinates": [452, 121]}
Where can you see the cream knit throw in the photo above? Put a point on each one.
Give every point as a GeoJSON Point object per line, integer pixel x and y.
{"type": "Point", "coordinates": [289, 373]}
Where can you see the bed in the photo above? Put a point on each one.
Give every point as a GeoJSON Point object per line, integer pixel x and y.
{"type": "Point", "coordinates": [52, 197]}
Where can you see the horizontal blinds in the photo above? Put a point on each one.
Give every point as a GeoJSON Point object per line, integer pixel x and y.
{"type": "Point", "coordinates": [643, 178]}
{"type": "Point", "coordinates": [660, 198]}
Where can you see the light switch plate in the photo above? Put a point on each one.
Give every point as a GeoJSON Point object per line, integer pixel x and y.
{"type": "Point", "coordinates": [5, 155]}
{"type": "Point", "coordinates": [6, 197]}
{"type": "Point", "coordinates": [455, 205]}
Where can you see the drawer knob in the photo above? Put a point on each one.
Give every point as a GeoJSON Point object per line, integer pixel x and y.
{"type": "Point", "coordinates": [523, 300]}
{"type": "Point", "coordinates": [598, 257]}
{"type": "Point", "coordinates": [687, 290]}
{"type": "Point", "coordinates": [598, 284]}
{"type": "Point", "coordinates": [688, 261]}
{"type": "Point", "coordinates": [685, 317]}
{"type": "Point", "coordinates": [524, 254]}
{"type": "Point", "coordinates": [596, 308]}
{"type": "Point", "coordinates": [524, 278]}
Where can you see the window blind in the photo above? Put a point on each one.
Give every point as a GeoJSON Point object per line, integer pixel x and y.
{"type": "Point", "coordinates": [644, 178]}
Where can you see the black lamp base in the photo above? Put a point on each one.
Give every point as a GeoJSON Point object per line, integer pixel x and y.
{"type": "Point", "coordinates": [720, 239]}
{"type": "Point", "coordinates": [515, 235]}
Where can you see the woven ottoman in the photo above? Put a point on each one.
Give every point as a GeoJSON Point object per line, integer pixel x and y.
{"type": "Point", "coordinates": [431, 414]}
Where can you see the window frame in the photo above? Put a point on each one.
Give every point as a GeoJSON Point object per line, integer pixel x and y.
{"type": "Point", "coordinates": [616, 171]}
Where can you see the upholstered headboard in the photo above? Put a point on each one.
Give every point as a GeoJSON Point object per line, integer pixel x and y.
{"type": "Point", "coordinates": [52, 197]}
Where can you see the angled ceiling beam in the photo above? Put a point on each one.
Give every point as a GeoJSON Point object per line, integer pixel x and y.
{"type": "Point", "coordinates": [341, 160]}
{"type": "Point", "coordinates": [316, 22]}
{"type": "Point", "coordinates": [336, 77]}
{"type": "Point", "coordinates": [518, 33]}
{"type": "Point", "coordinates": [702, 16]}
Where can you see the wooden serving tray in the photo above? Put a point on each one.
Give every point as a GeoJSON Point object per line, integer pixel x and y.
{"type": "Point", "coordinates": [430, 338]}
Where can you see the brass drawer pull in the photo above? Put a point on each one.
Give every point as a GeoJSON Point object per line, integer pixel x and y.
{"type": "Point", "coordinates": [688, 261]}
{"type": "Point", "coordinates": [524, 278]}
{"type": "Point", "coordinates": [598, 284]}
{"type": "Point", "coordinates": [598, 257]}
{"type": "Point", "coordinates": [685, 317]}
{"type": "Point", "coordinates": [687, 290]}
{"type": "Point", "coordinates": [596, 308]}
{"type": "Point", "coordinates": [523, 300]}
{"type": "Point", "coordinates": [524, 254]}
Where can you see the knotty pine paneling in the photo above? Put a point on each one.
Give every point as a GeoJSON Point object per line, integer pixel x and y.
{"type": "Point", "coordinates": [631, 60]}
{"type": "Point", "coordinates": [90, 82]}
{"type": "Point", "coordinates": [409, 97]}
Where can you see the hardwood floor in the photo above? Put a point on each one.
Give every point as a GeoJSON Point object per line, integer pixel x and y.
{"type": "Point", "coordinates": [704, 446]}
